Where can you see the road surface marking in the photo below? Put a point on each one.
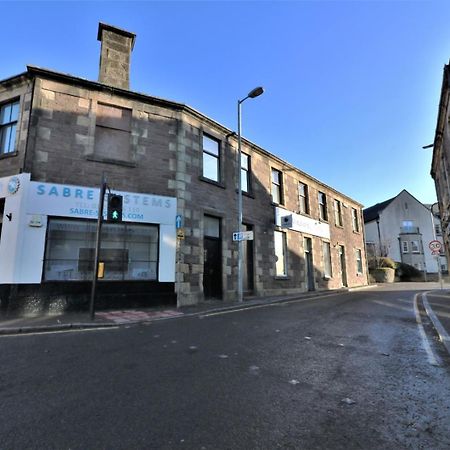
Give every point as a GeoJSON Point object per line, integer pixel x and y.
{"type": "Point", "coordinates": [432, 359]}
{"type": "Point", "coordinates": [277, 303]}
{"type": "Point", "coordinates": [443, 335]}
{"type": "Point", "coordinates": [390, 305]}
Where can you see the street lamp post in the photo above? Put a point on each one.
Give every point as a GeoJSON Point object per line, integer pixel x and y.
{"type": "Point", "coordinates": [252, 94]}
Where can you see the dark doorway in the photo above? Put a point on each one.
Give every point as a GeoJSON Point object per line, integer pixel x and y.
{"type": "Point", "coordinates": [343, 265]}
{"type": "Point", "coordinates": [247, 246]}
{"type": "Point", "coordinates": [212, 266]}
{"type": "Point", "coordinates": [309, 264]}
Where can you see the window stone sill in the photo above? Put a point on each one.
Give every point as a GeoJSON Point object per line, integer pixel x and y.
{"type": "Point", "coordinates": [8, 155]}
{"type": "Point", "coordinates": [117, 162]}
{"type": "Point", "coordinates": [214, 183]}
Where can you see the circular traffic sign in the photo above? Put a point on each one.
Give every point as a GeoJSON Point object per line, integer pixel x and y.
{"type": "Point", "coordinates": [435, 246]}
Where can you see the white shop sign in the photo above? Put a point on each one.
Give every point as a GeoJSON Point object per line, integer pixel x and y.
{"type": "Point", "coordinates": [302, 224]}
{"type": "Point", "coordinates": [82, 202]}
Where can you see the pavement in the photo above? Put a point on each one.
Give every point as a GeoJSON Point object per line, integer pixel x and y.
{"type": "Point", "coordinates": [11, 323]}
{"type": "Point", "coordinates": [436, 303]}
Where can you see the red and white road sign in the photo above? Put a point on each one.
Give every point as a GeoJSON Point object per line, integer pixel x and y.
{"type": "Point", "coordinates": [435, 246]}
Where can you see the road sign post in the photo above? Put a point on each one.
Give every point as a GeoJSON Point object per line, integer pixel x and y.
{"type": "Point", "coordinates": [435, 246]}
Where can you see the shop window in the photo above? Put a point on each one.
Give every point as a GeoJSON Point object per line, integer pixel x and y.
{"type": "Point", "coordinates": [280, 253]}
{"type": "Point", "coordinates": [128, 251]}
{"type": "Point", "coordinates": [245, 172]}
{"type": "Point", "coordinates": [327, 272]}
{"type": "Point", "coordinates": [323, 212]}
{"type": "Point", "coordinates": [338, 213]}
{"type": "Point", "coordinates": [277, 186]}
{"type": "Point", "coordinates": [9, 114]}
{"type": "Point", "coordinates": [303, 198]}
{"type": "Point", "coordinates": [211, 158]}
{"type": "Point", "coordinates": [112, 133]}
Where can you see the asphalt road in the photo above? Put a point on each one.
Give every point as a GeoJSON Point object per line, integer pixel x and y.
{"type": "Point", "coordinates": [351, 371]}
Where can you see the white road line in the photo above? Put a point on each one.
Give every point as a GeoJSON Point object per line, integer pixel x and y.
{"type": "Point", "coordinates": [390, 305]}
{"type": "Point", "coordinates": [278, 303]}
{"type": "Point", "coordinates": [443, 335]}
{"type": "Point", "coordinates": [432, 359]}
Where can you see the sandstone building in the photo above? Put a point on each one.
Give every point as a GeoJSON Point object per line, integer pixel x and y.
{"type": "Point", "coordinates": [440, 166]}
{"type": "Point", "coordinates": [175, 167]}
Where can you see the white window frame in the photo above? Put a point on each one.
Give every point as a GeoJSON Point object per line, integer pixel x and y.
{"type": "Point", "coordinates": [208, 153]}
{"type": "Point", "coordinates": [355, 220]}
{"type": "Point", "coordinates": [359, 265]}
{"type": "Point", "coordinates": [9, 126]}
{"type": "Point", "coordinates": [338, 218]}
{"type": "Point", "coordinates": [415, 244]}
{"type": "Point", "coordinates": [405, 247]}
{"type": "Point", "coordinates": [282, 255]}
{"type": "Point", "coordinates": [303, 198]}
{"type": "Point", "coordinates": [327, 264]}
{"type": "Point", "coordinates": [245, 173]}
{"type": "Point", "coordinates": [276, 186]}
{"type": "Point", "coordinates": [323, 210]}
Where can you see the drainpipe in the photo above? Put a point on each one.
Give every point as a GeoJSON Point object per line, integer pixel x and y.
{"type": "Point", "coordinates": [379, 234]}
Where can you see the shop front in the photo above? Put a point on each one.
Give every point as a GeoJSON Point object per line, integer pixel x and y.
{"type": "Point", "coordinates": [47, 246]}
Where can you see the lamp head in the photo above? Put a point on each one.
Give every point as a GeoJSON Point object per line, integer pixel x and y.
{"type": "Point", "coordinates": [256, 92]}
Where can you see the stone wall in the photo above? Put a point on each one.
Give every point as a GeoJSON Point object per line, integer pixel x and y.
{"type": "Point", "coordinates": [165, 158]}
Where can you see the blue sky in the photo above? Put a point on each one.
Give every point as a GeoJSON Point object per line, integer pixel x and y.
{"type": "Point", "coordinates": [352, 88]}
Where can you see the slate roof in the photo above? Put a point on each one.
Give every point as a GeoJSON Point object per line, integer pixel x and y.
{"type": "Point", "coordinates": [373, 212]}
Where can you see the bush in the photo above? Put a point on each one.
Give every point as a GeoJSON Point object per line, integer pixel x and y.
{"type": "Point", "coordinates": [405, 272]}
{"type": "Point", "coordinates": [384, 262]}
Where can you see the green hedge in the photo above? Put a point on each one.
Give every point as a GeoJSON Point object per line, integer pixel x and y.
{"type": "Point", "coordinates": [405, 272]}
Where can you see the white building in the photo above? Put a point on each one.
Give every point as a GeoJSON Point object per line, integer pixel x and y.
{"type": "Point", "coordinates": [402, 229]}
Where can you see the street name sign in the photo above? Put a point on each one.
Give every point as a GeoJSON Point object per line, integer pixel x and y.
{"type": "Point", "coordinates": [243, 236]}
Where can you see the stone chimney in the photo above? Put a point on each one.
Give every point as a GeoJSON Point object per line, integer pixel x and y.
{"type": "Point", "coordinates": [117, 45]}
